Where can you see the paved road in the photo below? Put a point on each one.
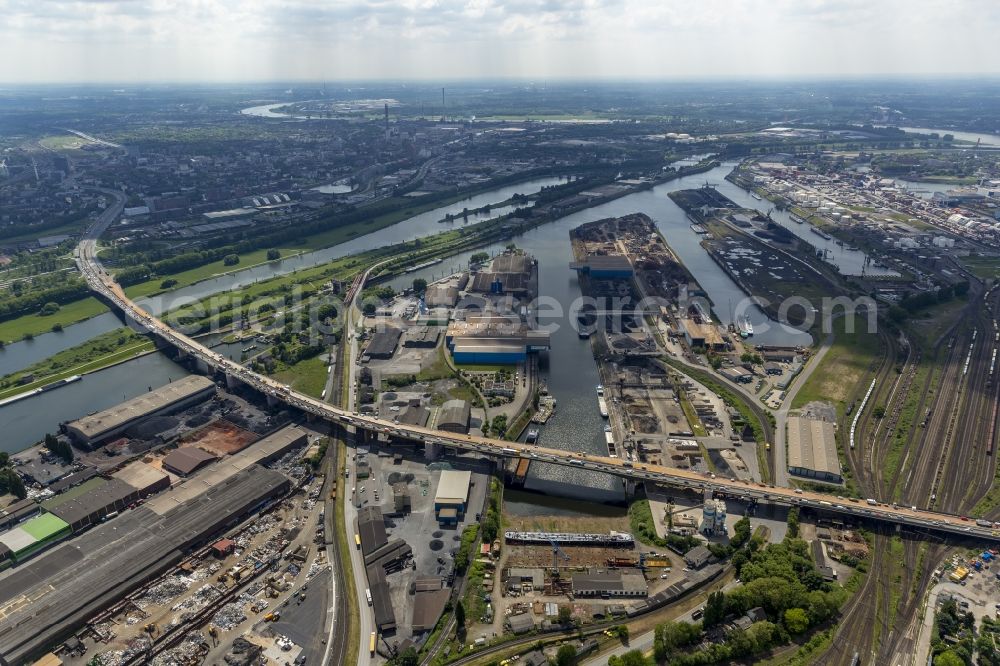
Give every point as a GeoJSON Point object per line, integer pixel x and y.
{"type": "Point", "coordinates": [781, 415]}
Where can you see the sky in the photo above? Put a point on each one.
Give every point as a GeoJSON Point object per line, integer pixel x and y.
{"type": "Point", "coordinates": [267, 40]}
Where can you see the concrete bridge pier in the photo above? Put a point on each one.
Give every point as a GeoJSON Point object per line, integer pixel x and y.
{"type": "Point", "coordinates": [232, 381]}
{"type": "Point", "coordinates": [272, 401]}
{"type": "Point", "coordinates": [630, 486]}
{"type": "Point", "coordinates": [202, 366]}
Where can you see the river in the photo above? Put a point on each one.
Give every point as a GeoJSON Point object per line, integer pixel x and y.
{"type": "Point", "coordinates": [25, 422]}
{"type": "Point", "coordinates": [971, 137]}
{"type": "Point", "coordinates": [21, 354]}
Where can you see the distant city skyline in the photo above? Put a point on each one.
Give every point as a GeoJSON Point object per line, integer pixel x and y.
{"type": "Point", "coordinates": [264, 40]}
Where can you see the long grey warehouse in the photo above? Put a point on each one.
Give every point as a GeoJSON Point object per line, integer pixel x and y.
{"type": "Point", "coordinates": [95, 428]}
{"type": "Point", "coordinates": [74, 581]}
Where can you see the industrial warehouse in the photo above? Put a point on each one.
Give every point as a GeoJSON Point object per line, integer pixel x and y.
{"type": "Point", "coordinates": [493, 339]}
{"type": "Point", "coordinates": [106, 558]}
{"type": "Point", "coordinates": [80, 577]}
{"type": "Point", "coordinates": [812, 449]}
{"type": "Point", "coordinates": [93, 429]}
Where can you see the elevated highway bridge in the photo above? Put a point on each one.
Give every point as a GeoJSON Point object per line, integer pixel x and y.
{"type": "Point", "coordinates": [909, 517]}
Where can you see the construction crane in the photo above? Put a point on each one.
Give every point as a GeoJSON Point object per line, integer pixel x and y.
{"type": "Point", "coordinates": [556, 553]}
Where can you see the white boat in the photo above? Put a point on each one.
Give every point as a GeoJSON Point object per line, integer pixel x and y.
{"type": "Point", "coordinates": [602, 405]}
{"type": "Point", "coordinates": [797, 219]}
{"type": "Point", "coordinates": [746, 328]}
{"type": "Point", "coordinates": [756, 196]}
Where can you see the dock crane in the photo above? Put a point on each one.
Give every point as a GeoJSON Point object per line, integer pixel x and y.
{"type": "Point", "coordinates": [556, 553]}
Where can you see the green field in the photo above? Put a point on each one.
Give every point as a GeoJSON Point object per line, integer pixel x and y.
{"type": "Point", "coordinates": [308, 376]}
{"type": "Point", "coordinates": [982, 267]}
{"type": "Point", "coordinates": [35, 324]}
{"type": "Point", "coordinates": [64, 142]}
{"type": "Point", "coordinates": [847, 363]}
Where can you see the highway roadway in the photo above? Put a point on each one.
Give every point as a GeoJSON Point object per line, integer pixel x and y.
{"type": "Point", "coordinates": [104, 284]}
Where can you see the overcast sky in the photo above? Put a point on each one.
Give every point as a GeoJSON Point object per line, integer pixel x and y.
{"type": "Point", "coordinates": [248, 40]}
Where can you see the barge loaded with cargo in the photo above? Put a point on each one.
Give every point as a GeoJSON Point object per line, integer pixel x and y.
{"type": "Point", "coordinates": [609, 438]}
{"type": "Point", "coordinates": [602, 404]}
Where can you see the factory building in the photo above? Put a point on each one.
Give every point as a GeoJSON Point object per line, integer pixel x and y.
{"type": "Point", "coordinates": [32, 536]}
{"type": "Point", "coordinates": [737, 375]}
{"type": "Point", "coordinates": [146, 479]}
{"type": "Point", "coordinates": [452, 495]}
{"type": "Point", "coordinates": [605, 267]}
{"type": "Point", "coordinates": [18, 512]}
{"type": "Point", "coordinates": [102, 565]}
{"type": "Point", "coordinates": [429, 599]}
{"type": "Point", "coordinates": [512, 273]}
{"type": "Point", "coordinates": [702, 335]}
{"type": "Point", "coordinates": [383, 344]}
{"type": "Point", "coordinates": [454, 416]}
{"type": "Point", "coordinates": [385, 616]}
{"type": "Point", "coordinates": [422, 337]}
{"type": "Point", "coordinates": [812, 449]}
{"type": "Point", "coordinates": [371, 529]}
{"type": "Point", "coordinates": [187, 460]}
{"type": "Point", "coordinates": [609, 584]}
{"type": "Point", "coordinates": [493, 340]}
{"type": "Point", "coordinates": [96, 505]}
{"type": "Point", "coordinates": [91, 430]}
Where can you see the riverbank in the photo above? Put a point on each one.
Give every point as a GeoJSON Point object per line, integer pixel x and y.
{"type": "Point", "coordinates": [103, 351]}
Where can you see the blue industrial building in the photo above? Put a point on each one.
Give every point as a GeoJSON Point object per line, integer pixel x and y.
{"type": "Point", "coordinates": [605, 267]}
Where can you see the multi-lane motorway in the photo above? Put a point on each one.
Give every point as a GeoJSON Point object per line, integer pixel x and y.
{"type": "Point", "coordinates": [104, 284]}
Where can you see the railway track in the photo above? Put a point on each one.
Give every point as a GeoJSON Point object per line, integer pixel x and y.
{"type": "Point", "coordinates": [953, 431]}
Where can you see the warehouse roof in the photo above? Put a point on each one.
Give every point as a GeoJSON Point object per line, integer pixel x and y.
{"type": "Point", "coordinates": [73, 479]}
{"type": "Point", "coordinates": [417, 416]}
{"type": "Point", "coordinates": [95, 500]}
{"type": "Point", "coordinates": [521, 623]}
{"type": "Point", "coordinates": [454, 413]}
{"type": "Point", "coordinates": [74, 492]}
{"type": "Point", "coordinates": [187, 459]}
{"type": "Point", "coordinates": [453, 488]}
{"type": "Point", "coordinates": [371, 529]}
{"type": "Point", "coordinates": [610, 582]}
{"type": "Point", "coordinates": [812, 445]}
{"type": "Point", "coordinates": [384, 342]}
{"type": "Point", "coordinates": [139, 475]}
{"type": "Point", "coordinates": [17, 539]}
{"type": "Point", "coordinates": [95, 425]}
{"type": "Point", "coordinates": [261, 451]}
{"type": "Point", "coordinates": [44, 526]}
{"type": "Point", "coordinates": [608, 262]}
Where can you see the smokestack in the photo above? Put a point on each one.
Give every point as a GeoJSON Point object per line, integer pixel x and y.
{"type": "Point", "coordinates": [387, 116]}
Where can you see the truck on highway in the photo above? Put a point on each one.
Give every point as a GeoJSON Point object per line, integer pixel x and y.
{"type": "Point", "coordinates": [368, 595]}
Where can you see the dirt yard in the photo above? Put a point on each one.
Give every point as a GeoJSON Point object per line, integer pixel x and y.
{"type": "Point", "coordinates": [221, 437]}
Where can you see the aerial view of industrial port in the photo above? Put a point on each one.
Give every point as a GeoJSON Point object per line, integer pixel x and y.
{"type": "Point", "coordinates": [499, 333]}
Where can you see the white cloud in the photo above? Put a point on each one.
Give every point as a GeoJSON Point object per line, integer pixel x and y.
{"type": "Point", "coordinates": [53, 40]}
